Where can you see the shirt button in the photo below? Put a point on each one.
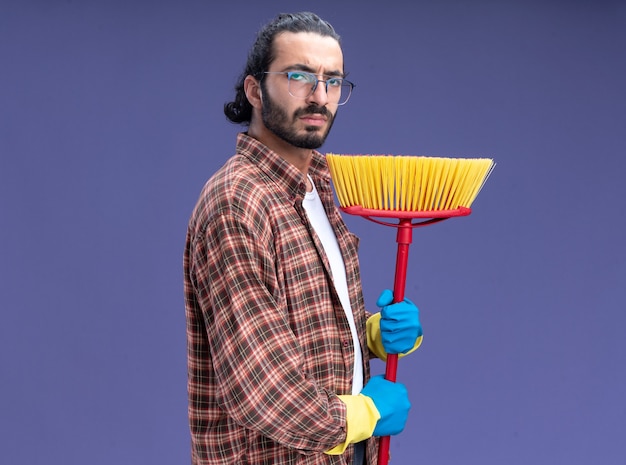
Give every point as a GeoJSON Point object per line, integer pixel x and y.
{"type": "Point", "coordinates": [346, 344]}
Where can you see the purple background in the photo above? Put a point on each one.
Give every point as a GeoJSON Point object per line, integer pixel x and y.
{"type": "Point", "coordinates": [111, 121]}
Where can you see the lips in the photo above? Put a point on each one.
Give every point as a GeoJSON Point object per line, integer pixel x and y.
{"type": "Point", "coordinates": [313, 119]}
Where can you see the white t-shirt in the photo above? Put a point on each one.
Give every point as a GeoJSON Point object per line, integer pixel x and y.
{"type": "Point", "coordinates": [317, 216]}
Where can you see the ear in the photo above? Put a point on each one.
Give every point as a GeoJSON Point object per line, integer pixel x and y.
{"type": "Point", "coordinates": [252, 88]}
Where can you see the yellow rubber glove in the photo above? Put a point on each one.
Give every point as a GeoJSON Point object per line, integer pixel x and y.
{"type": "Point", "coordinates": [375, 342]}
{"type": "Point", "coordinates": [381, 409]}
{"type": "Point", "coordinates": [361, 418]}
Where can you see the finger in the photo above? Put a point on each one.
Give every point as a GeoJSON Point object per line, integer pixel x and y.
{"type": "Point", "coordinates": [385, 298]}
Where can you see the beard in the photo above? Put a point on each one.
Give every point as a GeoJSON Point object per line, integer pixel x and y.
{"type": "Point", "coordinates": [278, 122]}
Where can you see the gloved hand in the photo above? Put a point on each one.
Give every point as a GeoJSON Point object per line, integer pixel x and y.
{"type": "Point", "coordinates": [399, 324]}
{"type": "Point", "coordinates": [392, 402]}
{"type": "Point", "coordinates": [380, 409]}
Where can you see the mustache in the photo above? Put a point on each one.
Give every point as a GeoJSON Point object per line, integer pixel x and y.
{"type": "Point", "coordinates": [313, 110]}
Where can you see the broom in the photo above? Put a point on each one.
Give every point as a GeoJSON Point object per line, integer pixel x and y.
{"type": "Point", "coordinates": [415, 191]}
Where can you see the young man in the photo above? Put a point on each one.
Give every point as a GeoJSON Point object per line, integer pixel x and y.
{"type": "Point", "coordinates": [278, 337]}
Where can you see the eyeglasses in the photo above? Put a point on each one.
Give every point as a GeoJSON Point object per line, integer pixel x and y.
{"type": "Point", "coordinates": [302, 84]}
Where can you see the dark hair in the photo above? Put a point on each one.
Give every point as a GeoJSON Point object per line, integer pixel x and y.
{"type": "Point", "coordinates": [261, 56]}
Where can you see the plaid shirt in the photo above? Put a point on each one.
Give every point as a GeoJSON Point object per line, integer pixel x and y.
{"type": "Point", "coordinates": [269, 346]}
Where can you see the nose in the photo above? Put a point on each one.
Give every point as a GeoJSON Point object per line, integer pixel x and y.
{"type": "Point", "coordinates": [319, 95]}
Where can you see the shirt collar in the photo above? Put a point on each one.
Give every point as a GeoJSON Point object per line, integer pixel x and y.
{"type": "Point", "coordinates": [280, 171]}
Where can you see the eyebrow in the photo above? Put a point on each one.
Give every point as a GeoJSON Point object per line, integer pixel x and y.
{"type": "Point", "coordinates": [308, 69]}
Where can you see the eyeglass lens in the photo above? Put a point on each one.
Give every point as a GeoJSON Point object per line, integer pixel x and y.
{"type": "Point", "coordinates": [302, 85]}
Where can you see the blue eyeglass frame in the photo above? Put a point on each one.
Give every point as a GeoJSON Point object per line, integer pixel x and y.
{"type": "Point", "coordinates": [310, 76]}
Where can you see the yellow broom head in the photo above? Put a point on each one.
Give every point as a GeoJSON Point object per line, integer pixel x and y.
{"type": "Point", "coordinates": [407, 183]}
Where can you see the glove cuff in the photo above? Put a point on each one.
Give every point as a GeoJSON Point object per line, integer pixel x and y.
{"type": "Point", "coordinates": [361, 418]}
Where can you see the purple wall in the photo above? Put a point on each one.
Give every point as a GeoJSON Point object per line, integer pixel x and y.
{"type": "Point", "coordinates": [110, 122]}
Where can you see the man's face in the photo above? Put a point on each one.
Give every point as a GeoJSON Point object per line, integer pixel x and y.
{"type": "Point", "coordinates": [301, 122]}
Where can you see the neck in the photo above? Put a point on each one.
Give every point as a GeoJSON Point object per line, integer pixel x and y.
{"type": "Point", "coordinates": [298, 157]}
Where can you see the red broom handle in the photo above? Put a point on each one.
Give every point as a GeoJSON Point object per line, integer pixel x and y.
{"type": "Point", "coordinates": [404, 238]}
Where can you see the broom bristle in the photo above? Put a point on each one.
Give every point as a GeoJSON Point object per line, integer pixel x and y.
{"type": "Point", "coordinates": [407, 183]}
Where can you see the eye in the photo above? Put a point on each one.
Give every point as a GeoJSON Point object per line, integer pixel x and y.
{"type": "Point", "coordinates": [334, 82]}
{"type": "Point", "coordinates": [303, 77]}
